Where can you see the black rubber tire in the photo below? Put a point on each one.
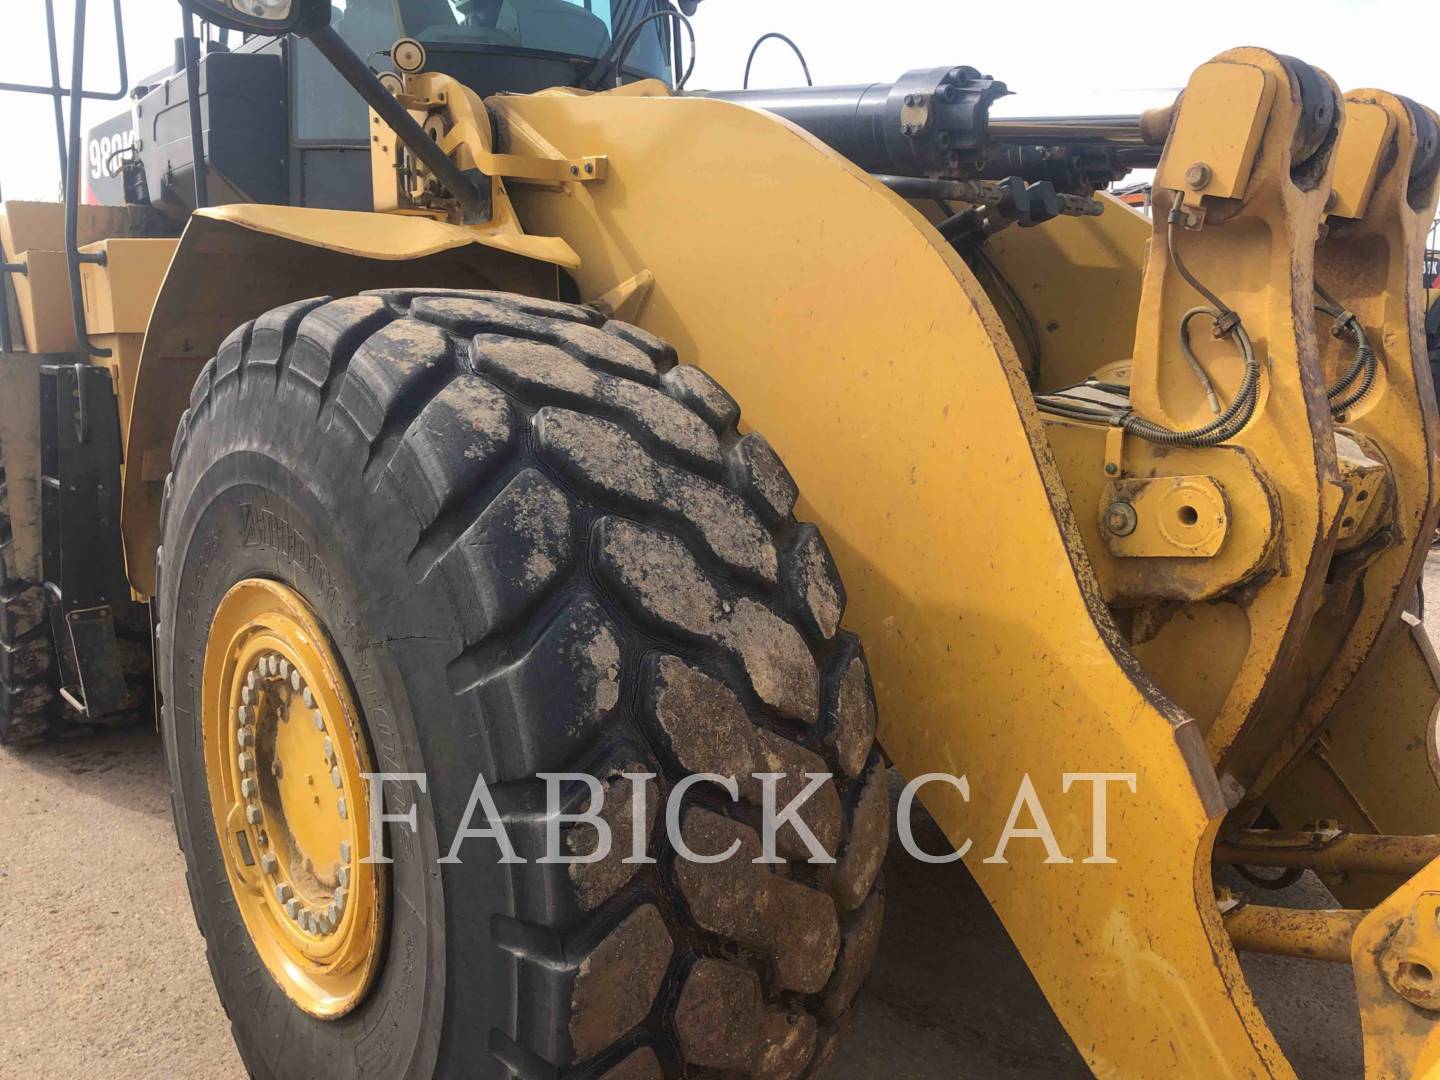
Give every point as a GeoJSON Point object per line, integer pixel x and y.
{"type": "Point", "coordinates": [539, 545]}
{"type": "Point", "coordinates": [31, 708]}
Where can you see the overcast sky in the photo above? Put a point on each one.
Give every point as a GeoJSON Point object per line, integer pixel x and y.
{"type": "Point", "coordinates": [1057, 57]}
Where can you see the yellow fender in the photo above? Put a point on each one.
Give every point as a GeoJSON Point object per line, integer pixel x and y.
{"type": "Point", "coordinates": [875, 363]}
{"type": "Point", "coordinates": [235, 262]}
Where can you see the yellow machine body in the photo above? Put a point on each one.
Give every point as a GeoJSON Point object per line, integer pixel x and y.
{"type": "Point", "coordinates": [1254, 657]}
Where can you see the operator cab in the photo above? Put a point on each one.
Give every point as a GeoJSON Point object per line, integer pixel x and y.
{"type": "Point", "coordinates": [318, 154]}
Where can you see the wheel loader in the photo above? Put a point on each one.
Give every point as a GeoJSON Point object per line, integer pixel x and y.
{"type": "Point", "coordinates": [380, 376]}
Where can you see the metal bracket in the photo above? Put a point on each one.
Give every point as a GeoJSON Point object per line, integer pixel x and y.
{"type": "Point", "coordinates": [1212, 147]}
{"type": "Point", "coordinates": [1167, 517]}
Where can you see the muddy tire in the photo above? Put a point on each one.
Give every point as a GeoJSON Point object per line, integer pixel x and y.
{"type": "Point", "coordinates": [31, 708]}
{"type": "Point", "coordinates": [539, 545]}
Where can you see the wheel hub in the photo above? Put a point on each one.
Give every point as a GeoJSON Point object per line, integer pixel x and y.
{"type": "Point", "coordinates": [285, 758]}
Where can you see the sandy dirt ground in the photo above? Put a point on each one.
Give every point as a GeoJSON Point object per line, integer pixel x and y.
{"type": "Point", "coordinates": [102, 971]}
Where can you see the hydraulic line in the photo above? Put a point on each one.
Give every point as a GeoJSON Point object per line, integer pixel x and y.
{"type": "Point", "coordinates": [1365, 365]}
{"type": "Point", "coordinates": [1228, 422]}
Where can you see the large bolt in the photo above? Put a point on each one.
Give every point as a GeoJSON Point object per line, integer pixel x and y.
{"type": "Point", "coordinates": [341, 894]}
{"type": "Point", "coordinates": [344, 875]}
{"type": "Point", "coordinates": [1197, 175]}
{"type": "Point", "coordinates": [247, 696]}
{"type": "Point", "coordinates": [249, 787]}
{"type": "Point", "coordinates": [284, 670]}
{"type": "Point", "coordinates": [329, 751]}
{"type": "Point", "coordinates": [1120, 518]}
{"type": "Point", "coordinates": [270, 864]}
{"type": "Point", "coordinates": [307, 697]}
{"type": "Point", "coordinates": [292, 908]}
{"type": "Point", "coordinates": [296, 683]}
{"type": "Point", "coordinates": [245, 737]}
{"type": "Point", "coordinates": [252, 678]}
{"type": "Point", "coordinates": [246, 761]}
{"type": "Point", "coordinates": [253, 814]}
{"type": "Point", "coordinates": [283, 892]}
{"type": "Point", "coordinates": [335, 777]}
{"type": "Point", "coordinates": [344, 851]}
{"type": "Point", "coordinates": [344, 810]}
{"type": "Point", "coordinates": [319, 721]}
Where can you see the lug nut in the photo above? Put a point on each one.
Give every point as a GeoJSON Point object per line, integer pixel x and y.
{"type": "Point", "coordinates": [319, 721]}
{"type": "Point", "coordinates": [307, 697]}
{"type": "Point", "coordinates": [283, 892]}
{"type": "Point", "coordinates": [247, 696]}
{"type": "Point", "coordinates": [244, 715]}
{"type": "Point", "coordinates": [344, 852]}
{"type": "Point", "coordinates": [292, 908]}
{"type": "Point", "coordinates": [329, 751]}
{"type": "Point", "coordinates": [246, 761]}
{"type": "Point", "coordinates": [285, 669]}
{"type": "Point", "coordinates": [249, 787]}
{"type": "Point", "coordinates": [245, 737]}
{"type": "Point", "coordinates": [335, 776]}
{"type": "Point", "coordinates": [253, 815]}
{"type": "Point", "coordinates": [270, 864]}
{"type": "Point", "coordinates": [296, 683]}
{"type": "Point", "coordinates": [344, 810]}
{"type": "Point", "coordinates": [252, 679]}
{"type": "Point", "coordinates": [341, 894]}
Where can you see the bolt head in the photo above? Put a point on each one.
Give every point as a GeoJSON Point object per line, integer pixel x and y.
{"type": "Point", "coordinates": [283, 892]}
{"type": "Point", "coordinates": [253, 814]}
{"type": "Point", "coordinates": [245, 737]}
{"type": "Point", "coordinates": [285, 668]}
{"type": "Point", "coordinates": [344, 810]}
{"type": "Point", "coordinates": [249, 787]}
{"type": "Point", "coordinates": [1197, 175]}
{"type": "Point", "coordinates": [247, 696]}
{"type": "Point", "coordinates": [329, 750]}
{"type": "Point", "coordinates": [245, 760]}
{"type": "Point", "coordinates": [574, 170]}
{"type": "Point", "coordinates": [1120, 518]}
{"type": "Point", "coordinates": [335, 776]}
{"type": "Point", "coordinates": [307, 697]}
{"type": "Point", "coordinates": [341, 895]}
{"type": "Point", "coordinates": [270, 864]}
{"type": "Point", "coordinates": [319, 721]}
{"type": "Point", "coordinates": [344, 875]}
{"type": "Point", "coordinates": [344, 851]}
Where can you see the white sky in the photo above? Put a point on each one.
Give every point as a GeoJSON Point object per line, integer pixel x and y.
{"type": "Point", "coordinates": [1057, 57]}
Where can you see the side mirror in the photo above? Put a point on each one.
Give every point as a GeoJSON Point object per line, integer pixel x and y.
{"type": "Point", "coordinates": [271, 18]}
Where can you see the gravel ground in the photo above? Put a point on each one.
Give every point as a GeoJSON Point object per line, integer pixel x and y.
{"type": "Point", "coordinates": [100, 961]}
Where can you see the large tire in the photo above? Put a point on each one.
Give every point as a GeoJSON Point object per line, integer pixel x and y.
{"type": "Point", "coordinates": [538, 545]}
{"type": "Point", "coordinates": [31, 708]}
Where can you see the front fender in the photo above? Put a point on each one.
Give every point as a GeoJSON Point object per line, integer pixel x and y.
{"type": "Point", "coordinates": [234, 263]}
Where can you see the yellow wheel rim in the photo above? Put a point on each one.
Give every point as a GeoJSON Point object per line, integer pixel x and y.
{"type": "Point", "coordinates": [284, 758]}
